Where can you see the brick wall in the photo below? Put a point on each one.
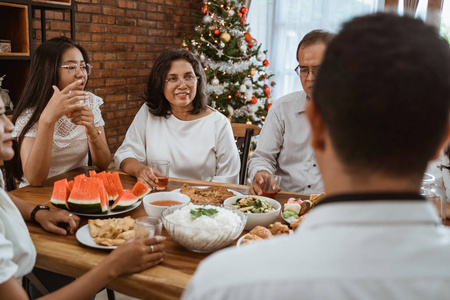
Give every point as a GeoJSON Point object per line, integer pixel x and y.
{"type": "Point", "coordinates": [123, 37]}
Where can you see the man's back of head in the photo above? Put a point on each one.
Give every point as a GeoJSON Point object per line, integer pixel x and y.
{"type": "Point", "coordinates": [383, 92]}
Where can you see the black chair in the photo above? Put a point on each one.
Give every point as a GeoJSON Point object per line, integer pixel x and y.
{"type": "Point", "coordinates": [243, 134]}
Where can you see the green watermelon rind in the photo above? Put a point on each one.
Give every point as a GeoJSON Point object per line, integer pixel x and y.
{"type": "Point", "coordinates": [124, 204]}
{"type": "Point", "coordinates": [86, 207]}
{"type": "Point", "coordinates": [58, 203]}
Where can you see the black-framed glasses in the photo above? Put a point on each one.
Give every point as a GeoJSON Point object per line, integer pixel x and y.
{"type": "Point", "coordinates": [74, 69]}
{"type": "Point", "coordinates": [189, 80]}
{"type": "Point", "coordinates": [304, 71]}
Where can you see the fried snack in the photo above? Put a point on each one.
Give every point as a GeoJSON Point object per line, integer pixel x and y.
{"type": "Point", "coordinates": [210, 195]}
{"type": "Point", "coordinates": [278, 228]}
{"type": "Point", "coordinates": [297, 222]}
{"type": "Point", "coordinates": [262, 232]}
{"type": "Point", "coordinates": [111, 232]}
{"type": "Point", "coordinates": [249, 238]}
{"type": "Point", "coordinates": [314, 199]}
{"type": "Point", "coordinates": [109, 242]}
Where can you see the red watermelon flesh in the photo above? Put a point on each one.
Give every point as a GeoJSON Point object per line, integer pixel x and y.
{"type": "Point", "coordinates": [126, 199]}
{"type": "Point", "coordinates": [103, 196]}
{"type": "Point", "coordinates": [70, 186]}
{"type": "Point", "coordinates": [60, 194]}
{"type": "Point", "coordinates": [140, 190]}
{"type": "Point", "coordinates": [92, 173]}
{"type": "Point", "coordinates": [104, 177]}
{"type": "Point", "coordinates": [85, 196]}
{"type": "Point", "coordinates": [115, 184]}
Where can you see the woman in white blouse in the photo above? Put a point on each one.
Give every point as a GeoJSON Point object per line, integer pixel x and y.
{"type": "Point", "coordinates": [176, 125]}
{"type": "Point", "coordinates": [56, 121]}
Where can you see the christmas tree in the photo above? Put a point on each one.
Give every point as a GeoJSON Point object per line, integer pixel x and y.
{"type": "Point", "coordinates": [235, 66]}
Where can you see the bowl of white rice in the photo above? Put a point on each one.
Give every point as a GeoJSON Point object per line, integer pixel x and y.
{"type": "Point", "coordinates": [203, 228]}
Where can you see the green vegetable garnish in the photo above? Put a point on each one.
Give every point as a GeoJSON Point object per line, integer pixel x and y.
{"type": "Point", "coordinates": [201, 211]}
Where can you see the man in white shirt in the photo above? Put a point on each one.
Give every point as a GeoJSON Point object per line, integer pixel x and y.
{"type": "Point", "coordinates": [283, 145]}
{"type": "Point", "coordinates": [380, 112]}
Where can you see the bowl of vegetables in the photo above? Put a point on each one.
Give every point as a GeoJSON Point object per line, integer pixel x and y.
{"type": "Point", "coordinates": [259, 210]}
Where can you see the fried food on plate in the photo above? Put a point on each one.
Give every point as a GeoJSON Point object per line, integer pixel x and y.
{"type": "Point", "coordinates": [278, 228]}
{"type": "Point", "coordinates": [111, 232]}
{"type": "Point", "coordinates": [210, 195]}
{"type": "Point", "coordinates": [262, 232]}
{"type": "Point", "coordinates": [249, 238]}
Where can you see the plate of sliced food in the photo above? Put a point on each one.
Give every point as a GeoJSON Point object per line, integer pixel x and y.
{"type": "Point", "coordinates": [260, 233]}
{"type": "Point", "coordinates": [296, 207]}
{"type": "Point", "coordinates": [106, 233]}
{"type": "Point", "coordinates": [207, 194]}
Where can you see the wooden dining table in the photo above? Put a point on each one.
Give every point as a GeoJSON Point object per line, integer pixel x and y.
{"type": "Point", "coordinates": [66, 255]}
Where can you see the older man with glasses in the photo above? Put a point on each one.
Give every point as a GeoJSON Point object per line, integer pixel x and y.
{"type": "Point", "coordinates": [283, 145]}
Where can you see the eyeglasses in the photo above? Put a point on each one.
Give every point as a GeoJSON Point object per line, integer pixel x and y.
{"type": "Point", "coordinates": [189, 80]}
{"type": "Point", "coordinates": [304, 71]}
{"type": "Point", "coordinates": [74, 69]}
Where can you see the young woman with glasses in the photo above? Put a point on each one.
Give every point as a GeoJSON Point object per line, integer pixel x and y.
{"type": "Point", "coordinates": [56, 121]}
{"type": "Point", "coordinates": [176, 125]}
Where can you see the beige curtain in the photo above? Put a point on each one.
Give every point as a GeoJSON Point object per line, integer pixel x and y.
{"type": "Point", "coordinates": [247, 4]}
{"type": "Point", "coordinates": [410, 6]}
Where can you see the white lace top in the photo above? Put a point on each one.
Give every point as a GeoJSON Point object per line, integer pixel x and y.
{"type": "Point", "coordinates": [70, 146]}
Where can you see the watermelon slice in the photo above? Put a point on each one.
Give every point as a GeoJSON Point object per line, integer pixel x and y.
{"type": "Point", "coordinates": [60, 194]}
{"type": "Point", "coordinates": [115, 185]}
{"type": "Point", "coordinates": [85, 196]}
{"type": "Point", "coordinates": [103, 196]}
{"type": "Point", "coordinates": [140, 190]}
{"type": "Point", "coordinates": [92, 173]}
{"type": "Point", "coordinates": [126, 199]}
{"type": "Point", "coordinates": [70, 185]}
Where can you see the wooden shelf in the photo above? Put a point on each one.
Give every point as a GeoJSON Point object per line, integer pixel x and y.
{"type": "Point", "coordinates": [16, 75]}
{"type": "Point", "coordinates": [61, 2]}
{"type": "Point", "coordinates": [15, 18]}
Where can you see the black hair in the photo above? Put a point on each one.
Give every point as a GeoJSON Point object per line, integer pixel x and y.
{"type": "Point", "coordinates": [383, 92]}
{"type": "Point", "coordinates": [154, 95]}
{"type": "Point", "coordinates": [314, 37]}
{"type": "Point", "coordinates": [44, 73]}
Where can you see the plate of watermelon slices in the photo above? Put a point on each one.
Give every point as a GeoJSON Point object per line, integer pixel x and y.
{"type": "Point", "coordinates": [99, 195]}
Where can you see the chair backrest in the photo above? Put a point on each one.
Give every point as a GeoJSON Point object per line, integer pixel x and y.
{"type": "Point", "coordinates": [243, 134]}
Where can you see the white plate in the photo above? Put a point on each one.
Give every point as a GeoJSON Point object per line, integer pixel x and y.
{"type": "Point", "coordinates": [205, 187]}
{"type": "Point", "coordinates": [84, 237]}
{"type": "Point", "coordinates": [110, 213]}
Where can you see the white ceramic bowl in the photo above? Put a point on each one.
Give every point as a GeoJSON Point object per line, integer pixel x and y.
{"type": "Point", "coordinates": [262, 219]}
{"type": "Point", "coordinates": [156, 210]}
{"type": "Point", "coordinates": [199, 237]}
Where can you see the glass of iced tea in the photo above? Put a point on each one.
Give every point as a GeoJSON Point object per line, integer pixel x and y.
{"type": "Point", "coordinates": [161, 170]}
{"type": "Point", "coordinates": [270, 185]}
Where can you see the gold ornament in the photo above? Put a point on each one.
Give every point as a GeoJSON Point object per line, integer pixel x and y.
{"type": "Point", "coordinates": [252, 72]}
{"type": "Point", "coordinates": [225, 36]}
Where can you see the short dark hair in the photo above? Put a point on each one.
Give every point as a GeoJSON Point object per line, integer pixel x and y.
{"type": "Point", "coordinates": [313, 37]}
{"type": "Point", "coordinates": [154, 95]}
{"type": "Point", "coordinates": [383, 92]}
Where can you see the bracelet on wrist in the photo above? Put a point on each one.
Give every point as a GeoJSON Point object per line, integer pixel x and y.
{"type": "Point", "coordinates": [96, 138]}
{"type": "Point", "coordinates": [36, 209]}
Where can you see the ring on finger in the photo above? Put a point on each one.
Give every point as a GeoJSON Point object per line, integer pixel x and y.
{"type": "Point", "coordinates": [70, 215]}
{"type": "Point", "coordinates": [68, 94]}
{"type": "Point", "coordinates": [152, 249]}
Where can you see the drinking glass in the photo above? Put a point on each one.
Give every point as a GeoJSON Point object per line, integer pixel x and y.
{"type": "Point", "coordinates": [434, 194]}
{"type": "Point", "coordinates": [270, 185]}
{"type": "Point", "coordinates": [147, 227]}
{"type": "Point", "coordinates": [161, 170]}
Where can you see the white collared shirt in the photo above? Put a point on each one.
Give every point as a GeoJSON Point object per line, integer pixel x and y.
{"type": "Point", "coordinates": [283, 147]}
{"type": "Point", "coordinates": [359, 250]}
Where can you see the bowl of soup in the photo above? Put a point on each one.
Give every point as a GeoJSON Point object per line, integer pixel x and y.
{"type": "Point", "coordinates": [156, 202]}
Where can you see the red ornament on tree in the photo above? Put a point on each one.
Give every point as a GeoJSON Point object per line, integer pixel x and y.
{"type": "Point", "coordinates": [187, 48]}
{"type": "Point", "coordinates": [268, 106]}
{"type": "Point", "coordinates": [243, 20]}
{"type": "Point", "coordinates": [247, 37]}
{"type": "Point", "coordinates": [250, 44]}
{"type": "Point", "coordinates": [254, 100]}
{"type": "Point", "coordinates": [238, 95]}
{"type": "Point", "coordinates": [265, 63]}
{"type": "Point", "coordinates": [267, 90]}
{"type": "Point", "coordinates": [205, 9]}
{"type": "Point", "coordinates": [239, 14]}
{"type": "Point", "coordinates": [216, 31]}
{"type": "Point", "coordinates": [244, 10]}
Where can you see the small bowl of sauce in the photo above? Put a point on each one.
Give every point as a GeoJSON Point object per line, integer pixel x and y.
{"type": "Point", "coordinates": [155, 203]}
